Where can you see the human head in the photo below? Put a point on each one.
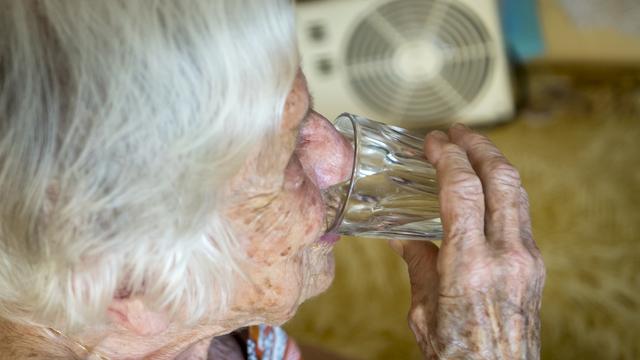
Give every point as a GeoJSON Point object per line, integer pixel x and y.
{"type": "Point", "coordinates": [124, 127]}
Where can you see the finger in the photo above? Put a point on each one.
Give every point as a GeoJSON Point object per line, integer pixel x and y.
{"type": "Point", "coordinates": [461, 197]}
{"type": "Point", "coordinates": [527, 237]}
{"type": "Point", "coordinates": [526, 232]}
{"type": "Point", "coordinates": [421, 258]}
{"type": "Point", "coordinates": [501, 184]}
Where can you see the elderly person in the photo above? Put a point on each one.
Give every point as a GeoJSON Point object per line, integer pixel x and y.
{"type": "Point", "coordinates": [160, 177]}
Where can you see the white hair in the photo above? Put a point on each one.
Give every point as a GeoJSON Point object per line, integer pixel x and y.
{"type": "Point", "coordinates": [120, 123]}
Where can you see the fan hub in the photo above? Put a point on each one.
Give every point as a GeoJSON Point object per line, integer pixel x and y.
{"type": "Point", "coordinates": [418, 61]}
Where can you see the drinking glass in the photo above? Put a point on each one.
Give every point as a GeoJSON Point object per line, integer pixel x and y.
{"type": "Point", "coordinates": [392, 192]}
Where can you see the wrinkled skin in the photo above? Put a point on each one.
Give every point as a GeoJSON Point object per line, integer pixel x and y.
{"type": "Point", "coordinates": [277, 212]}
{"type": "Point", "coordinates": [478, 296]}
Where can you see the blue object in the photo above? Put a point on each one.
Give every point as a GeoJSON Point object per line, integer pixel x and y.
{"type": "Point", "coordinates": [521, 28]}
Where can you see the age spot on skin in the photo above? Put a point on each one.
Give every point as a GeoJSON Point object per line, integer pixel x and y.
{"type": "Point", "coordinates": [286, 252]}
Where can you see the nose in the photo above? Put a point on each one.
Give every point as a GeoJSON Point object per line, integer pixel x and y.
{"type": "Point", "coordinates": [325, 155]}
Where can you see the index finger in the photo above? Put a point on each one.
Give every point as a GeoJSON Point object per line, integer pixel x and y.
{"type": "Point", "coordinates": [461, 196]}
{"type": "Point", "coordinates": [501, 183]}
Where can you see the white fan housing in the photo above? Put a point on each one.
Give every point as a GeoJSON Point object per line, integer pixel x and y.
{"type": "Point", "coordinates": [414, 63]}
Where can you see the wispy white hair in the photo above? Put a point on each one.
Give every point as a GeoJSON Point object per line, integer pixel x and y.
{"type": "Point", "coordinates": [120, 122]}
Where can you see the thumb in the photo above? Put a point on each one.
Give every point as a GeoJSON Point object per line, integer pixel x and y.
{"type": "Point", "coordinates": [422, 263]}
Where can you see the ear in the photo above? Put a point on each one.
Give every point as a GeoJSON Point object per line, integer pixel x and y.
{"type": "Point", "coordinates": [132, 314]}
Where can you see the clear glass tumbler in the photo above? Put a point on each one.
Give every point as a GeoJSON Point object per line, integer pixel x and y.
{"type": "Point", "coordinates": [392, 192]}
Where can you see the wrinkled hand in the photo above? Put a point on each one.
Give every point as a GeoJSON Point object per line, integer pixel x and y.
{"type": "Point", "coordinates": [478, 296]}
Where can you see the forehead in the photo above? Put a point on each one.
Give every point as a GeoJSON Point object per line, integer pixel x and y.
{"type": "Point", "coordinates": [296, 104]}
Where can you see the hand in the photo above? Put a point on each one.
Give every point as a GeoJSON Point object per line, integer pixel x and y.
{"type": "Point", "coordinates": [478, 296]}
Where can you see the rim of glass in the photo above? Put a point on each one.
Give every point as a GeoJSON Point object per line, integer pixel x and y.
{"type": "Point", "coordinates": [352, 179]}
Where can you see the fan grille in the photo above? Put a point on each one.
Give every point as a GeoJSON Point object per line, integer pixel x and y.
{"type": "Point", "coordinates": [419, 59]}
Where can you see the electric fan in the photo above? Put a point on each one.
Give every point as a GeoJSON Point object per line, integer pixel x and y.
{"type": "Point", "coordinates": [415, 63]}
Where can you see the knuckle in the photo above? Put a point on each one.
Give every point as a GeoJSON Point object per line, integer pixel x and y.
{"type": "Point", "coordinates": [478, 142]}
{"type": "Point", "coordinates": [524, 197]}
{"type": "Point", "coordinates": [452, 150]}
{"type": "Point", "coordinates": [542, 273]}
{"type": "Point", "coordinates": [533, 248]}
{"type": "Point", "coordinates": [415, 315]}
{"type": "Point", "coordinates": [464, 186]}
{"type": "Point", "coordinates": [505, 173]}
{"type": "Point", "coordinates": [417, 318]}
{"type": "Point", "coordinates": [540, 267]}
{"type": "Point", "coordinates": [521, 263]}
{"type": "Point", "coordinates": [526, 234]}
{"type": "Point", "coordinates": [465, 181]}
{"type": "Point", "coordinates": [468, 234]}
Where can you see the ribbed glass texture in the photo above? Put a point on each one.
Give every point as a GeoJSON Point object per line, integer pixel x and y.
{"type": "Point", "coordinates": [392, 193]}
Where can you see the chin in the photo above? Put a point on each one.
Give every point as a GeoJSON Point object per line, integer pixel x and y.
{"type": "Point", "coordinates": [320, 272]}
{"type": "Point", "coordinates": [317, 275]}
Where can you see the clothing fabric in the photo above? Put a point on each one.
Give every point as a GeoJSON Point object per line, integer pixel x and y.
{"type": "Point", "coordinates": [260, 342]}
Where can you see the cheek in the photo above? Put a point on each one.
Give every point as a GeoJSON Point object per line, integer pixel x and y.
{"type": "Point", "coordinates": [292, 219]}
{"type": "Point", "coordinates": [299, 223]}
{"type": "Point", "coordinates": [275, 292]}
{"type": "Point", "coordinates": [302, 201]}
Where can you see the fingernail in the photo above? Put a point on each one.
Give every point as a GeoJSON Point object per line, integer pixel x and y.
{"type": "Point", "coordinates": [396, 245]}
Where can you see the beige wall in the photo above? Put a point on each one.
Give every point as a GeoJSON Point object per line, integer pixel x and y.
{"type": "Point", "coordinates": [565, 42]}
